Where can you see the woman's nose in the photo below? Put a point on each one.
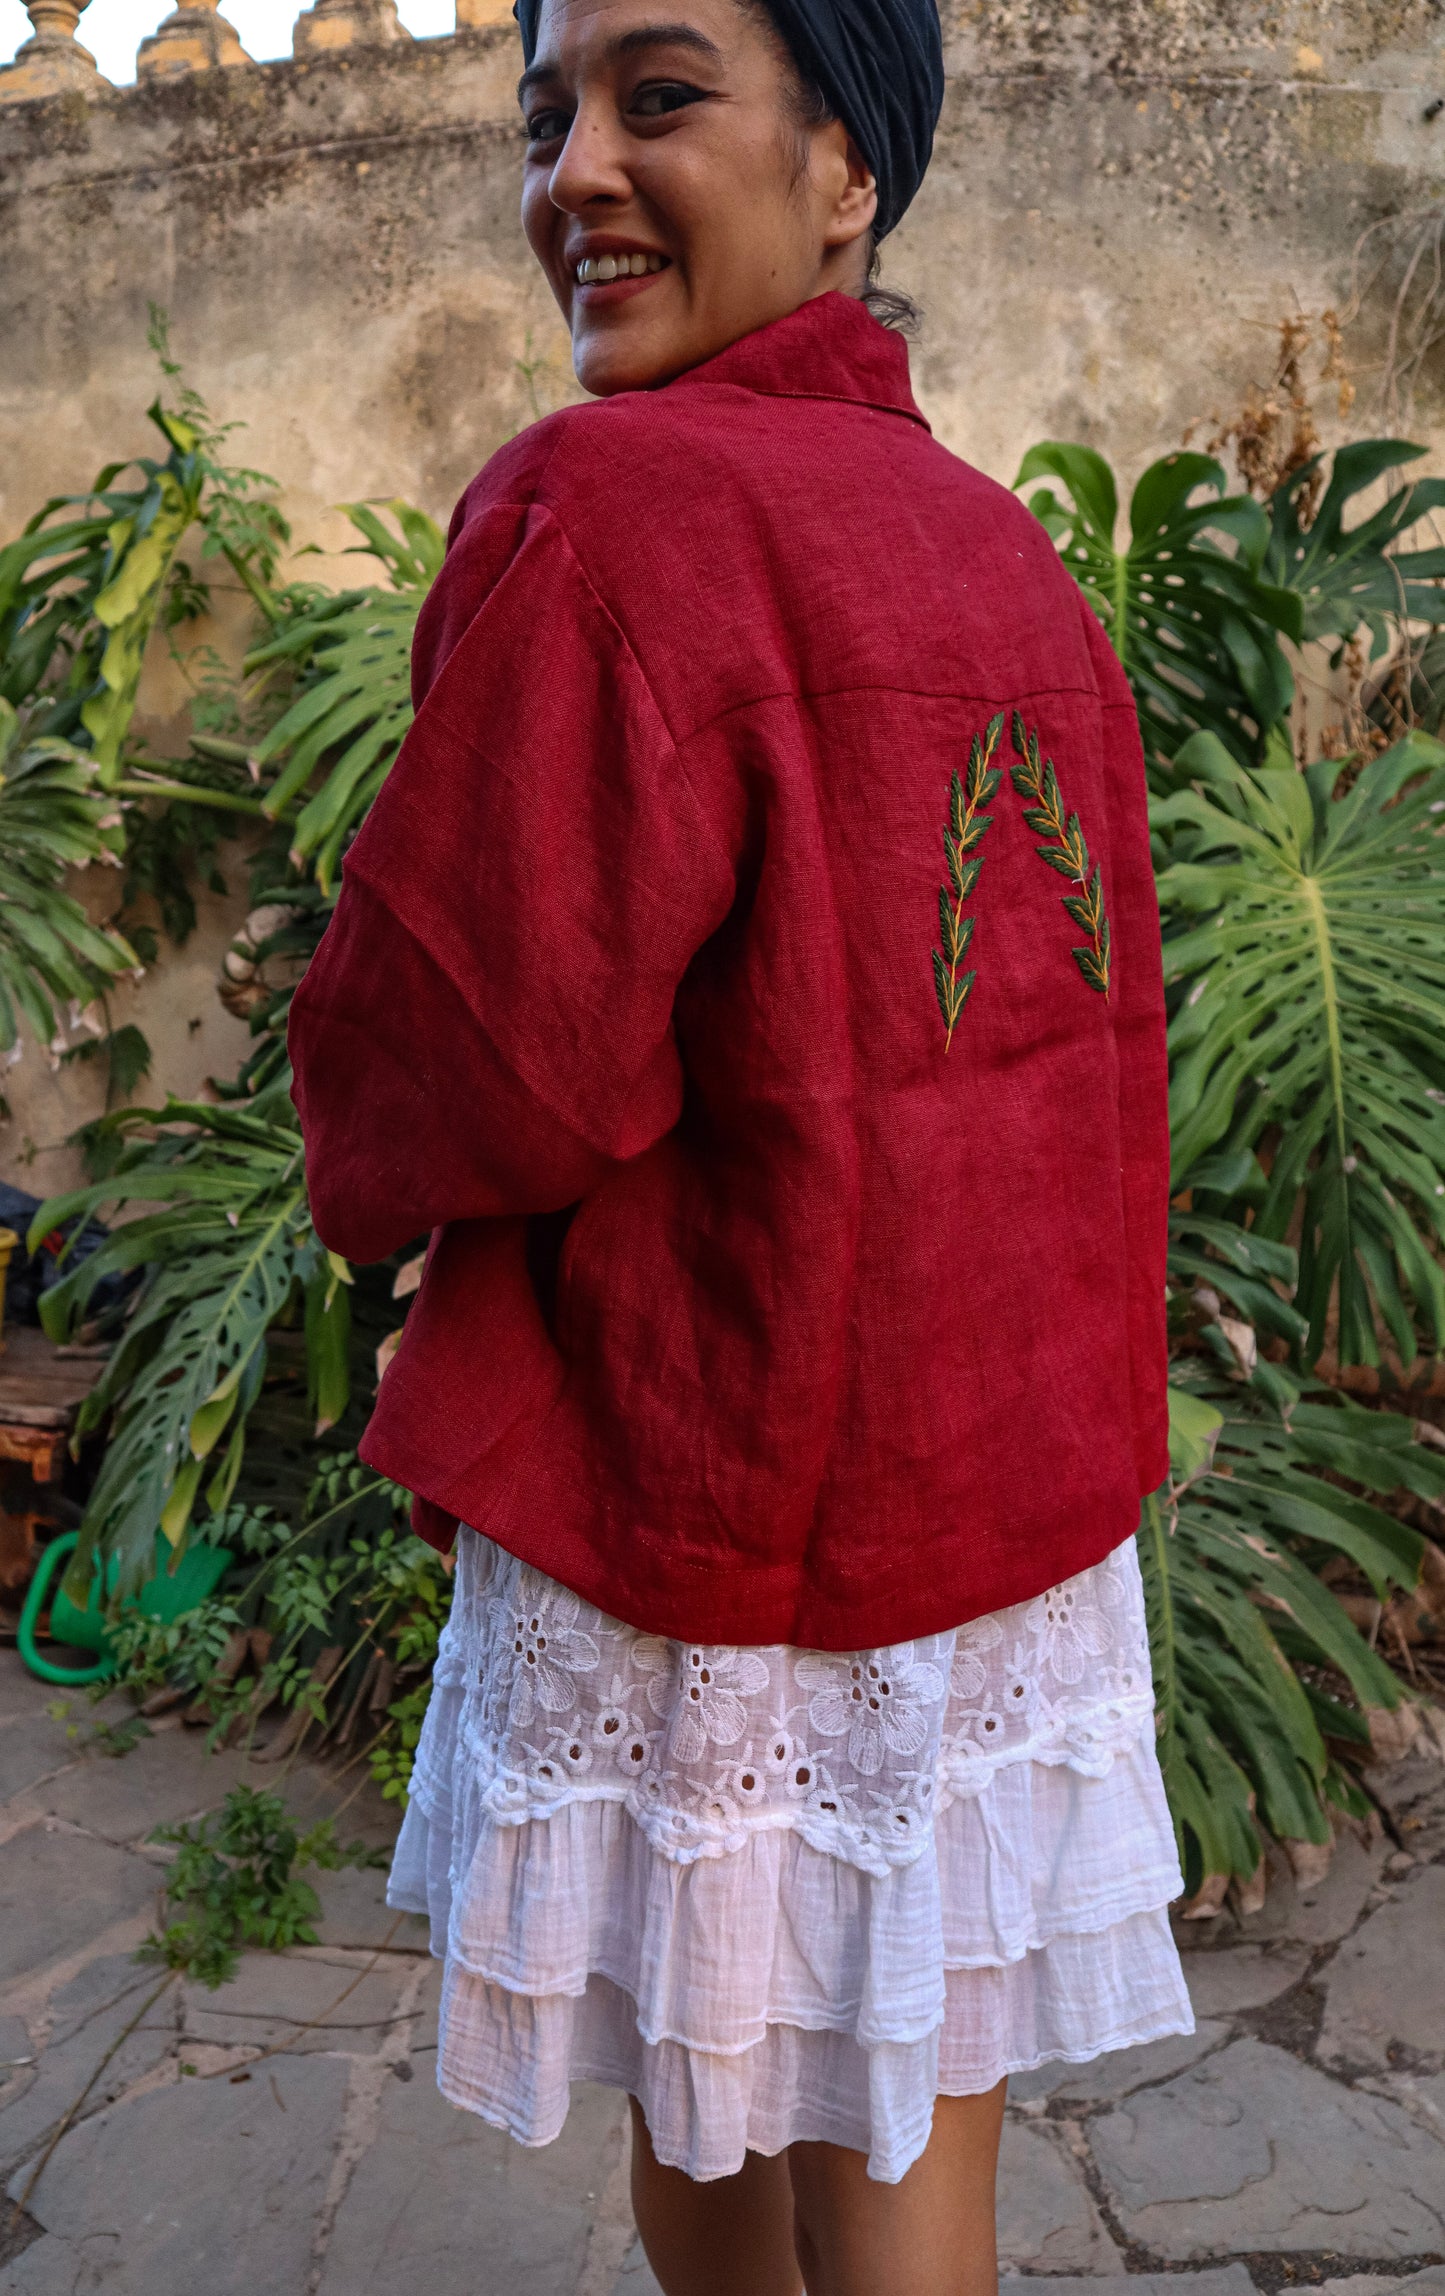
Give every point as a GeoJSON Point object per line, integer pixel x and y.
{"type": "Point", "coordinates": [589, 166]}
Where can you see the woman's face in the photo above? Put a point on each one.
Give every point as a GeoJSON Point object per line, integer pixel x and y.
{"type": "Point", "coordinates": [673, 201]}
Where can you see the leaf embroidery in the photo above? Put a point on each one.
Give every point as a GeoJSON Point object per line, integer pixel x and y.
{"type": "Point", "coordinates": [1034, 778]}
{"type": "Point", "coordinates": [961, 839]}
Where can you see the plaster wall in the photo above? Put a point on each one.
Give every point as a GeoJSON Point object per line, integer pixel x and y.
{"type": "Point", "coordinates": [1126, 198]}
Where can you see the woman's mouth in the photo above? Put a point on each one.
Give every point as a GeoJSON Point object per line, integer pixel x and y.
{"type": "Point", "coordinates": [604, 270]}
{"type": "Point", "coordinates": [616, 276]}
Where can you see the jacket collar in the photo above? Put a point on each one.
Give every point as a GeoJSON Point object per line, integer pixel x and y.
{"type": "Point", "coordinates": [829, 348]}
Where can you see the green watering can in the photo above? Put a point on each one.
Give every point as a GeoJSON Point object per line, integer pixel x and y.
{"type": "Point", "coordinates": [169, 1595]}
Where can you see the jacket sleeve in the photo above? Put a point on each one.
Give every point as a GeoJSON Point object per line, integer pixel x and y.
{"type": "Point", "coordinates": [1137, 1000]}
{"type": "Point", "coordinates": [486, 1028]}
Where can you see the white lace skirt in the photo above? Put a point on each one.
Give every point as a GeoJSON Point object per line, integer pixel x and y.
{"type": "Point", "coordinates": [779, 1894]}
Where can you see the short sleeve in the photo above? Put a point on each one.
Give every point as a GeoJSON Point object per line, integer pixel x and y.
{"type": "Point", "coordinates": [486, 1028]}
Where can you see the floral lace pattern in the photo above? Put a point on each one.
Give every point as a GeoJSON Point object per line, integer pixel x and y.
{"type": "Point", "coordinates": [856, 1751]}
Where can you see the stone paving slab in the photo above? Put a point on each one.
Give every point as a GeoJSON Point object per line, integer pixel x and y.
{"type": "Point", "coordinates": [1251, 2150]}
{"type": "Point", "coordinates": [1119, 2073]}
{"type": "Point", "coordinates": [293, 2001]}
{"type": "Point", "coordinates": [442, 2205]}
{"type": "Point", "coordinates": [159, 2198]}
{"type": "Point", "coordinates": [59, 1890]}
{"type": "Point", "coordinates": [1047, 2221]}
{"type": "Point", "coordinates": [1227, 2280]}
{"type": "Point", "coordinates": [1385, 1988]}
{"type": "Point", "coordinates": [354, 1911]}
{"type": "Point", "coordinates": [1430, 2282]}
{"type": "Point", "coordinates": [1237, 1977]}
{"type": "Point", "coordinates": [90, 2016]}
{"type": "Point", "coordinates": [161, 1780]}
{"type": "Point", "coordinates": [32, 1747]}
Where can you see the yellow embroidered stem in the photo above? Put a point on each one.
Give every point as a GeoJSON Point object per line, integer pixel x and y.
{"type": "Point", "coordinates": [961, 839]}
{"type": "Point", "coordinates": [1034, 778]}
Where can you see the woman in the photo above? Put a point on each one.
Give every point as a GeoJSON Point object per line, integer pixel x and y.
{"type": "Point", "coordinates": [750, 976]}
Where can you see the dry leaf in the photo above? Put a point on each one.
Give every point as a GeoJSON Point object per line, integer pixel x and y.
{"type": "Point", "coordinates": [1243, 1345]}
{"type": "Point", "coordinates": [1309, 1861]}
{"type": "Point", "coordinates": [1393, 1730]}
{"type": "Point", "coordinates": [408, 1277]}
{"type": "Point", "coordinates": [1208, 1899]}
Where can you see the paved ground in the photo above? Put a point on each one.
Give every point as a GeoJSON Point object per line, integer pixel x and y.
{"type": "Point", "coordinates": [1298, 2138]}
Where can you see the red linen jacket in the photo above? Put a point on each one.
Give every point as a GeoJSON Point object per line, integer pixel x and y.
{"type": "Point", "coordinates": [858, 1328]}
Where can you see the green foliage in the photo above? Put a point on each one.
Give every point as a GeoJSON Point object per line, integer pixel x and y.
{"type": "Point", "coordinates": [350, 1579]}
{"type": "Point", "coordinates": [1349, 576]}
{"type": "Point", "coordinates": [1262, 1680]}
{"type": "Point", "coordinates": [231, 1251]}
{"type": "Point", "coordinates": [234, 1882]}
{"type": "Point", "coordinates": [1305, 957]}
{"type": "Point", "coordinates": [52, 818]}
{"type": "Point", "coordinates": [80, 590]}
{"type": "Point", "coordinates": [350, 655]}
{"type": "Point", "coordinates": [1187, 602]}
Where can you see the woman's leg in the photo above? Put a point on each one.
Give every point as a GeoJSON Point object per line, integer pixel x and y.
{"type": "Point", "coordinates": [931, 2234]}
{"type": "Point", "coordinates": [733, 2237]}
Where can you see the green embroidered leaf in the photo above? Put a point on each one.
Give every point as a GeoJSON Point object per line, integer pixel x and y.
{"type": "Point", "coordinates": [1067, 852]}
{"type": "Point", "coordinates": [943, 988]}
{"type": "Point", "coordinates": [967, 827]}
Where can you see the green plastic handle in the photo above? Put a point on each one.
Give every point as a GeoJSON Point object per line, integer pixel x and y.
{"type": "Point", "coordinates": [68, 1677]}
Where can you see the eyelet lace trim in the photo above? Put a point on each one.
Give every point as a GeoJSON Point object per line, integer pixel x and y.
{"type": "Point", "coordinates": [856, 1751]}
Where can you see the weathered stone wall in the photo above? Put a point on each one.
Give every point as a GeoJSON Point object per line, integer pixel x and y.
{"type": "Point", "coordinates": [1127, 197]}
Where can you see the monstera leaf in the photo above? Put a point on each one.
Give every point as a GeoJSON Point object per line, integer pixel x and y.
{"type": "Point", "coordinates": [1186, 603]}
{"type": "Point", "coordinates": [351, 715]}
{"type": "Point", "coordinates": [1346, 576]}
{"type": "Point", "coordinates": [231, 1248]}
{"type": "Point", "coordinates": [1262, 1680]}
{"type": "Point", "coordinates": [1305, 960]}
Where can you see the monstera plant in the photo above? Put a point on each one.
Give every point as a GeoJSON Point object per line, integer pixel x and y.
{"type": "Point", "coordinates": [1305, 958]}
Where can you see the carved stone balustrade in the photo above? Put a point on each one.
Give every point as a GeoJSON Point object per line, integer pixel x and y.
{"type": "Point", "coordinates": [194, 39]}
{"type": "Point", "coordinates": [53, 61]}
{"type": "Point", "coordinates": [347, 24]}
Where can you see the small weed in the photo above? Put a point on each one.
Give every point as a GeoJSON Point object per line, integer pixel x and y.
{"type": "Point", "coordinates": [234, 1883]}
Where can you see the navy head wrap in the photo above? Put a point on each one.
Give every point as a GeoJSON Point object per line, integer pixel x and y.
{"type": "Point", "coordinates": [880, 65]}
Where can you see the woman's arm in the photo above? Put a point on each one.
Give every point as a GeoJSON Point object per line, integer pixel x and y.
{"type": "Point", "coordinates": [487, 1026]}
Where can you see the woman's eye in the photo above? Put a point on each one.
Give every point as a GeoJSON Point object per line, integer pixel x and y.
{"type": "Point", "coordinates": [545, 127]}
{"type": "Point", "coordinates": [657, 97]}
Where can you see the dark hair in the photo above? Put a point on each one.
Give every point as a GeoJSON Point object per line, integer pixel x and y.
{"type": "Point", "coordinates": [808, 108]}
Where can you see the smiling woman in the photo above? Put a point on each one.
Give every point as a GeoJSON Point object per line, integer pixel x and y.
{"type": "Point", "coordinates": [791, 1342]}
{"type": "Point", "coordinates": [664, 146]}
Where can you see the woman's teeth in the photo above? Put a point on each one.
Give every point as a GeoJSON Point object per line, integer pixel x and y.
{"type": "Point", "coordinates": [603, 268]}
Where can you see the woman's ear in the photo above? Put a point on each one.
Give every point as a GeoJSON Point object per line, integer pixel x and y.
{"type": "Point", "coordinates": [856, 201]}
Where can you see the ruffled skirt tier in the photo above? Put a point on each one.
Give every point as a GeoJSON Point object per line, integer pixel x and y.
{"type": "Point", "coordinates": [754, 1986]}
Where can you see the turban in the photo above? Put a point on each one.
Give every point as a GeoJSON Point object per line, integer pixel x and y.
{"type": "Point", "coordinates": [880, 65]}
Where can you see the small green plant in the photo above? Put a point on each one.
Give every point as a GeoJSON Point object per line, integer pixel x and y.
{"type": "Point", "coordinates": [235, 1883]}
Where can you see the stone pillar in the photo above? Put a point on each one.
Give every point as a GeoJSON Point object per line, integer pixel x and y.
{"type": "Point", "coordinates": [347, 24]}
{"type": "Point", "coordinates": [194, 39]}
{"type": "Point", "coordinates": [476, 15]}
{"type": "Point", "coordinates": [53, 61]}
